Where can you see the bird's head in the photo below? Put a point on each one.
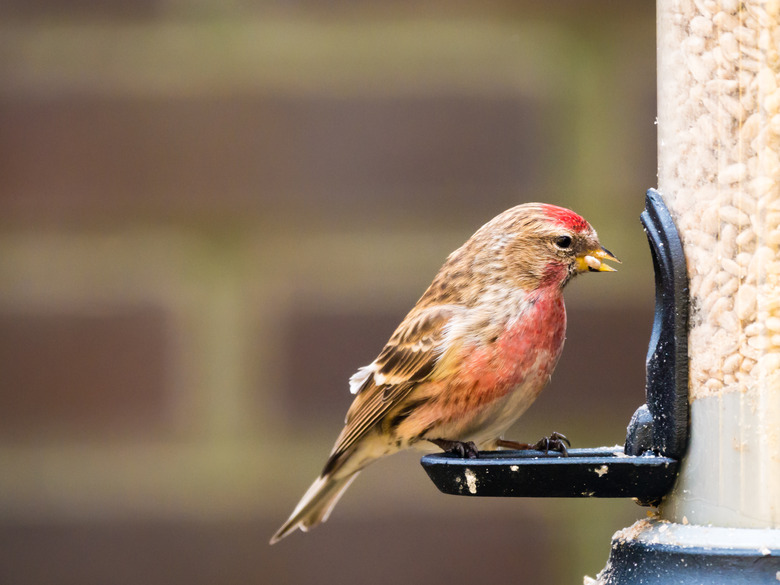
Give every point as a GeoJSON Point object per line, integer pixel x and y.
{"type": "Point", "coordinates": [542, 245]}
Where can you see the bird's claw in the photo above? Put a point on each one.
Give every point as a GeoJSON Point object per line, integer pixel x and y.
{"type": "Point", "coordinates": [465, 450]}
{"type": "Point", "coordinates": [555, 442]}
{"type": "Point", "coordinates": [462, 449]}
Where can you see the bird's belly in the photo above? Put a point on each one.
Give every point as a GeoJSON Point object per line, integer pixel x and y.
{"type": "Point", "coordinates": [492, 416]}
{"type": "Point", "coordinates": [500, 381]}
{"type": "Point", "coordinates": [502, 415]}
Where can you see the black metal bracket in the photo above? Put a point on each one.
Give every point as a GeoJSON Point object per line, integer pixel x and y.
{"type": "Point", "coordinates": [665, 430]}
{"type": "Point", "coordinates": [657, 435]}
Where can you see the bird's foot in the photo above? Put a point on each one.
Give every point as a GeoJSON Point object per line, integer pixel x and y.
{"type": "Point", "coordinates": [464, 450]}
{"type": "Point", "coordinates": [555, 442]}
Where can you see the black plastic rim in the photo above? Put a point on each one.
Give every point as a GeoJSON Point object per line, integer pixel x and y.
{"type": "Point", "coordinates": [598, 473]}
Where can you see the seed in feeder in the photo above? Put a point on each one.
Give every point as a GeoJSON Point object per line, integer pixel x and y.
{"type": "Point", "coordinates": [730, 287]}
{"type": "Point", "coordinates": [746, 302]}
{"type": "Point", "coordinates": [733, 107]}
{"type": "Point", "coordinates": [731, 363]}
{"type": "Point", "coordinates": [745, 36]}
{"type": "Point", "coordinates": [773, 237]}
{"type": "Point", "coordinates": [728, 321]}
{"type": "Point", "coordinates": [766, 81]}
{"type": "Point", "coordinates": [728, 43]}
{"type": "Point", "coordinates": [701, 26]}
{"type": "Point", "coordinates": [748, 350]}
{"type": "Point", "coordinates": [750, 128]}
{"type": "Point", "coordinates": [759, 342]}
{"type": "Point", "coordinates": [743, 259]}
{"type": "Point", "coordinates": [734, 216]}
{"type": "Point", "coordinates": [730, 266]}
{"type": "Point", "coordinates": [719, 169]}
{"type": "Point", "coordinates": [733, 174]}
{"type": "Point", "coordinates": [768, 364]}
{"type": "Point", "coordinates": [752, 65]}
{"type": "Point", "coordinates": [770, 161]}
{"type": "Point", "coordinates": [728, 236]}
{"type": "Point", "coordinates": [760, 259]}
{"type": "Point", "coordinates": [747, 365]}
{"type": "Point", "coordinates": [771, 102]}
{"type": "Point", "coordinates": [745, 237]}
{"type": "Point", "coordinates": [699, 69]}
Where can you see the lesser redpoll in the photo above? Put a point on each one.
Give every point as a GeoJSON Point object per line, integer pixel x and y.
{"type": "Point", "coordinates": [471, 356]}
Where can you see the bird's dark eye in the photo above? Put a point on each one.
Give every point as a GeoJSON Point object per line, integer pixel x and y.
{"type": "Point", "coordinates": [563, 242]}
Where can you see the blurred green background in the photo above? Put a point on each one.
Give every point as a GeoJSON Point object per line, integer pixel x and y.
{"type": "Point", "coordinates": [211, 213]}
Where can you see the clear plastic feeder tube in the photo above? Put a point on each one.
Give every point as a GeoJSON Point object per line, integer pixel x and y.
{"type": "Point", "coordinates": [719, 173]}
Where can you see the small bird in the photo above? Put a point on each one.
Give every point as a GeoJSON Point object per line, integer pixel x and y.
{"type": "Point", "coordinates": [471, 356]}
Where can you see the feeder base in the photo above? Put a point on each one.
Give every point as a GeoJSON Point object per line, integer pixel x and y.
{"type": "Point", "coordinates": [655, 552]}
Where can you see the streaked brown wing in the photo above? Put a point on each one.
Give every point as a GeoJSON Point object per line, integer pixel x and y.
{"type": "Point", "coordinates": [414, 348]}
{"type": "Point", "coordinates": [408, 358]}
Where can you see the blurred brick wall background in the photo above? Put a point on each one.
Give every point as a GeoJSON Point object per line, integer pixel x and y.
{"type": "Point", "coordinates": [211, 213]}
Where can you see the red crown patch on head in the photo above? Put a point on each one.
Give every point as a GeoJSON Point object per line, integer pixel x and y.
{"type": "Point", "coordinates": [566, 218]}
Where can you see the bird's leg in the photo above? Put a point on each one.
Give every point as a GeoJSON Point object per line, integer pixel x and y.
{"type": "Point", "coordinates": [464, 450]}
{"type": "Point", "coordinates": [555, 442]}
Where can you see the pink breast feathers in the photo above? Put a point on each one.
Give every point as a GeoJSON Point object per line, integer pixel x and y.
{"type": "Point", "coordinates": [525, 353]}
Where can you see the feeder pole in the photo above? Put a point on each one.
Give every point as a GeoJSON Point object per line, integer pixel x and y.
{"type": "Point", "coordinates": [719, 175]}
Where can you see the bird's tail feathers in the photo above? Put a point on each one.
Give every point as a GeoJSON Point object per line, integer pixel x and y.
{"type": "Point", "coordinates": [315, 505]}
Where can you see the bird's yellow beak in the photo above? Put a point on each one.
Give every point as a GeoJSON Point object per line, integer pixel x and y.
{"type": "Point", "coordinates": [592, 261]}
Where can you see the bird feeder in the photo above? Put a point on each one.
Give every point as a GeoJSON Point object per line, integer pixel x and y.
{"type": "Point", "coordinates": [706, 445]}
